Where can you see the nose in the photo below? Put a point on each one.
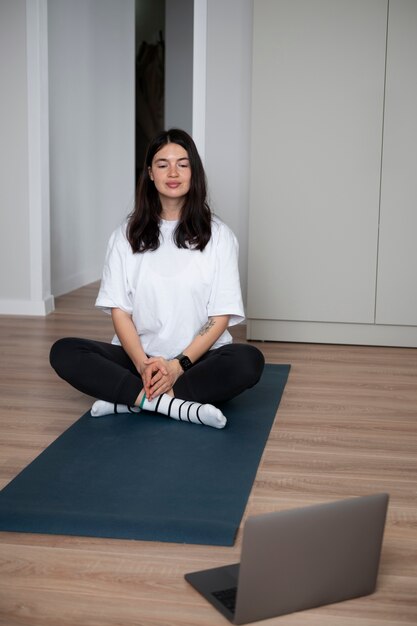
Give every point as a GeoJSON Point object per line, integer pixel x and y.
{"type": "Point", "coordinates": [172, 171]}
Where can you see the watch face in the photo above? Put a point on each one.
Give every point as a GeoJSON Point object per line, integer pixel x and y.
{"type": "Point", "coordinates": [185, 363]}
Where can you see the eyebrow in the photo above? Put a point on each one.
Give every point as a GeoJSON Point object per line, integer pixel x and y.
{"type": "Point", "coordinates": [166, 160]}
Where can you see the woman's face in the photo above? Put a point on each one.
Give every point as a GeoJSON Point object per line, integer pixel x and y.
{"type": "Point", "coordinates": [171, 172]}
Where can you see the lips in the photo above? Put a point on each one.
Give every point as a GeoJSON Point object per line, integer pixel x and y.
{"type": "Point", "coordinates": [173, 185]}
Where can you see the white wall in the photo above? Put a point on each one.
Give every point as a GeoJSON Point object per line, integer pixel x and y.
{"type": "Point", "coordinates": [14, 172]}
{"type": "Point", "coordinates": [24, 172]}
{"type": "Point", "coordinates": [228, 88]}
{"type": "Point", "coordinates": [91, 78]}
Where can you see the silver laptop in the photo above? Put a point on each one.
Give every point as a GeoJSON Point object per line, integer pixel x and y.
{"type": "Point", "coordinates": [299, 559]}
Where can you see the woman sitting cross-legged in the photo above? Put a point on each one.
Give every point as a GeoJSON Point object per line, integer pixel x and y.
{"type": "Point", "coordinates": [171, 284]}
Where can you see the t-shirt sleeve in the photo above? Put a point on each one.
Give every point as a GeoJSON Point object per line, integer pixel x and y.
{"type": "Point", "coordinates": [114, 289]}
{"type": "Point", "coordinates": [226, 294]}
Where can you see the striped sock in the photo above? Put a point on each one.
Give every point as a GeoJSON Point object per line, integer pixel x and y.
{"type": "Point", "coordinates": [101, 407]}
{"type": "Point", "coordinates": [185, 411]}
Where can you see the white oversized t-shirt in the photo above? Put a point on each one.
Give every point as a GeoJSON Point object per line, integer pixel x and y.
{"type": "Point", "coordinates": [171, 292]}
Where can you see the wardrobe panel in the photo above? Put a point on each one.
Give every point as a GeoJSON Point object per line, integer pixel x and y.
{"type": "Point", "coordinates": [316, 136]}
{"type": "Point", "coordinates": [397, 263]}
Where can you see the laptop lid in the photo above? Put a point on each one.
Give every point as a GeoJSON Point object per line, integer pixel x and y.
{"type": "Point", "coordinates": [302, 558]}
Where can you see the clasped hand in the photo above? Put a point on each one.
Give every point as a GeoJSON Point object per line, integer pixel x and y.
{"type": "Point", "coordinates": [159, 376]}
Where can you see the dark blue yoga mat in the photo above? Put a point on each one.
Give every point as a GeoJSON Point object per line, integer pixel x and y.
{"type": "Point", "coordinates": [147, 476]}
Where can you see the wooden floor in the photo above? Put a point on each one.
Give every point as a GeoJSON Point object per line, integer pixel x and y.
{"type": "Point", "coordinates": [346, 426]}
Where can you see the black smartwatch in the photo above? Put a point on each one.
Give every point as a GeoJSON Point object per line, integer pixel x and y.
{"type": "Point", "coordinates": [184, 361]}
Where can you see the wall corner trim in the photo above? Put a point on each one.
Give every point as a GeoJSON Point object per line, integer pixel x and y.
{"type": "Point", "coordinates": [38, 308]}
{"type": "Point", "coordinates": [199, 75]}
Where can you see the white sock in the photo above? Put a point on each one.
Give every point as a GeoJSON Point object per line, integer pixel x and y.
{"type": "Point", "coordinates": [100, 408]}
{"type": "Point", "coordinates": [185, 411]}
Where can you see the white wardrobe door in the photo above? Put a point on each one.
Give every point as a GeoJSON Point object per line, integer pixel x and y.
{"type": "Point", "coordinates": [317, 109]}
{"type": "Point", "coordinates": [397, 264]}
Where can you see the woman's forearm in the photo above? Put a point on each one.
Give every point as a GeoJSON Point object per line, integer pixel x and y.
{"type": "Point", "coordinates": [207, 336]}
{"type": "Point", "coordinates": [128, 337]}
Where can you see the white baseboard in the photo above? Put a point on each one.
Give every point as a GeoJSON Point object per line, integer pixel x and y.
{"type": "Point", "coordinates": [27, 307]}
{"type": "Point", "coordinates": [321, 332]}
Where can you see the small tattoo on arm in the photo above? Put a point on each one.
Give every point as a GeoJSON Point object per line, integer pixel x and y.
{"type": "Point", "coordinates": [209, 324]}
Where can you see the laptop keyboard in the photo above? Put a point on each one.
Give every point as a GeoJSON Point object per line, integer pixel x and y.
{"type": "Point", "coordinates": [227, 597]}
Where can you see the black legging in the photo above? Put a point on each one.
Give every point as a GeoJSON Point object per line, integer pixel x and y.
{"type": "Point", "coordinates": [106, 372]}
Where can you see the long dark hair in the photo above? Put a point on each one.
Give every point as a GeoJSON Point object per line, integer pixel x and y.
{"type": "Point", "coordinates": [194, 226]}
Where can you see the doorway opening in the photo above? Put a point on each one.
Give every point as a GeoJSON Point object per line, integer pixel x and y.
{"type": "Point", "coordinates": [164, 69]}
